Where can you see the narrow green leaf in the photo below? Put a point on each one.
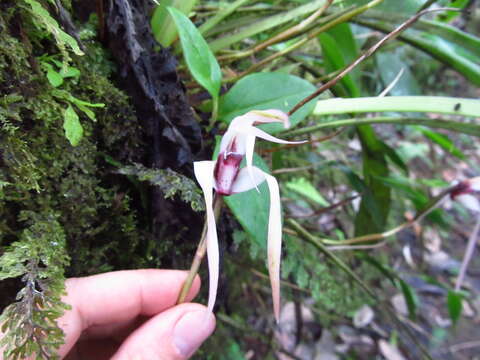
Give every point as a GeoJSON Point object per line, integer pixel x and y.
{"type": "Point", "coordinates": [265, 24]}
{"type": "Point", "coordinates": [410, 298]}
{"type": "Point", "coordinates": [222, 14]}
{"type": "Point", "coordinates": [462, 127]}
{"type": "Point", "coordinates": [198, 56]}
{"type": "Point", "coordinates": [454, 304]}
{"type": "Point", "coordinates": [261, 91]}
{"type": "Point", "coordinates": [443, 141]}
{"type": "Point", "coordinates": [71, 125]}
{"type": "Point", "coordinates": [431, 104]}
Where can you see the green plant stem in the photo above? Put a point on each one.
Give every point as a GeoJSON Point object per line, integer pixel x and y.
{"type": "Point", "coordinates": [304, 234]}
{"type": "Point", "coordinates": [200, 252]}
{"type": "Point", "coordinates": [214, 115]}
{"type": "Point", "coordinates": [463, 127]}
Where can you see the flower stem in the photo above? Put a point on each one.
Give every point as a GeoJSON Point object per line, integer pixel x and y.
{"type": "Point", "coordinates": [200, 253]}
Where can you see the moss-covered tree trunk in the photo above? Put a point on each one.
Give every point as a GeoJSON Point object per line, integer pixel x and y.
{"type": "Point", "coordinates": [72, 208]}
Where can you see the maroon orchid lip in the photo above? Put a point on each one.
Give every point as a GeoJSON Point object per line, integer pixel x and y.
{"type": "Point", "coordinates": [226, 172]}
{"type": "Point", "coordinates": [461, 188]}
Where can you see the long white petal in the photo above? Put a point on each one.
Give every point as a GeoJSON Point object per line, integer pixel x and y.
{"type": "Point", "coordinates": [274, 242]}
{"type": "Point", "coordinates": [266, 136]}
{"type": "Point", "coordinates": [469, 201]}
{"type": "Point", "coordinates": [248, 180]}
{"type": "Point", "coordinates": [249, 149]}
{"type": "Point", "coordinates": [269, 116]}
{"type": "Point", "coordinates": [204, 174]}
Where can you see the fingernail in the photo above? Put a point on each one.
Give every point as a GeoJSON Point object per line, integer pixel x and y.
{"type": "Point", "coordinates": [191, 331]}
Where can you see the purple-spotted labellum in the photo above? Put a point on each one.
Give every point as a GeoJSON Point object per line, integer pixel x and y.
{"type": "Point", "coordinates": [225, 176]}
{"type": "Point", "coordinates": [464, 192]}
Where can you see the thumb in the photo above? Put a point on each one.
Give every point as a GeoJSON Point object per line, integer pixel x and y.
{"type": "Point", "coordinates": [174, 334]}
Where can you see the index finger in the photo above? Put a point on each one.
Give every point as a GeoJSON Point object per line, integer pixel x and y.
{"type": "Point", "coordinates": [117, 297]}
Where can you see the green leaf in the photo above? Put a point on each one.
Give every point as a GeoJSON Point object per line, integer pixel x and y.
{"type": "Point", "coordinates": [264, 24]}
{"type": "Point", "coordinates": [389, 65]}
{"type": "Point", "coordinates": [334, 60]}
{"type": "Point", "coordinates": [162, 25]}
{"type": "Point", "coordinates": [454, 303]}
{"type": "Point", "coordinates": [198, 56]}
{"type": "Point", "coordinates": [261, 91]}
{"type": "Point", "coordinates": [455, 53]}
{"type": "Point", "coordinates": [71, 125]}
{"type": "Point", "coordinates": [54, 78]}
{"type": "Point", "coordinates": [410, 298]}
{"type": "Point", "coordinates": [430, 104]}
{"type": "Point", "coordinates": [443, 141]}
{"type": "Point", "coordinates": [251, 208]}
{"type": "Point", "coordinates": [305, 188]}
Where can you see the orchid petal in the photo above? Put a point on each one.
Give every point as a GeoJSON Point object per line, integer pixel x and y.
{"type": "Point", "coordinates": [244, 181]}
{"type": "Point", "coordinates": [475, 183]}
{"type": "Point", "coordinates": [269, 116]}
{"type": "Point", "coordinates": [266, 136]}
{"type": "Point", "coordinates": [274, 242]}
{"type": "Point", "coordinates": [204, 174]}
{"type": "Point", "coordinates": [469, 201]}
{"type": "Point", "coordinates": [249, 149]}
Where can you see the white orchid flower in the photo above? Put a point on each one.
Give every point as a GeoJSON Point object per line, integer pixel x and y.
{"type": "Point", "coordinates": [464, 193]}
{"type": "Point", "coordinates": [226, 177]}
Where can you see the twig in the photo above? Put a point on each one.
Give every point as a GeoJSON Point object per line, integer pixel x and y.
{"type": "Point", "coordinates": [325, 209]}
{"type": "Point", "coordinates": [472, 241]}
{"type": "Point", "coordinates": [366, 55]}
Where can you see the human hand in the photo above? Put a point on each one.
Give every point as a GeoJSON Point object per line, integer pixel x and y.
{"type": "Point", "coordinates": [131, 315]}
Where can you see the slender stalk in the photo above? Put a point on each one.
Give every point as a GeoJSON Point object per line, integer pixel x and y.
{"type": "Point", "coordinates": [472, 241]}
{"type": "Point", "coordinates": [200, 253]}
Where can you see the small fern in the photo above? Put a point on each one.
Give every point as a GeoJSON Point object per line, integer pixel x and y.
{"type": "Point", "coordinates": [43, 19]}
{"type": "Point", "coordinates": [169, 182]}
{"type": "Point", "coordinates": [39, 257]}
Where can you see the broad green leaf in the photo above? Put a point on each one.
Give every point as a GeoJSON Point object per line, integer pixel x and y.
{"type": "Point", "coordinates": [251, 208]}
{"type": "Point", "coordinates": [454, 303]}
{"type": "Point", "coordinates": [71, 125]}
{"type": "Point", "coordinates": [163, 28]}
{"type": "Point", "coordinates": [305, 188]}
{"type": "Point", "coordinates": [389, 65]}
{"type": "Point", "coordinates": [198, 56]}
{"type": "Point", "coordinates": [261, 91]}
